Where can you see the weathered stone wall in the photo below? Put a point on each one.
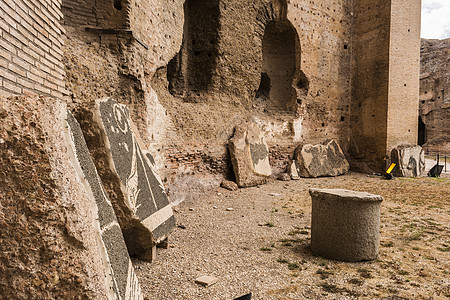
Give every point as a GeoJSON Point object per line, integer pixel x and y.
{"type": "Point", "coordinates": [434, 106]}
{"type": "Point", "coordinates": [31, 48]}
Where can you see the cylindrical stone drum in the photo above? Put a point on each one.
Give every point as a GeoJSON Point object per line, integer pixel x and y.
{"type": "Point", "coordinates": [345, 225]}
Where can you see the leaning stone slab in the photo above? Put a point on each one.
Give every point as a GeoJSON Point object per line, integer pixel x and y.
{"type": "Point", "coordinates": [249, 155]}
{"type": "Point", "coordinates": [410, 161]}
{"type": "Point", "coordinates": [59, 236]}
{"type": "Point", "coordinates": [130, 177]}
{"type": "Point", "coordinates": [345, 225]}
{"type": "Point", "coordinates": [113, 251]}
{"type": "Point", "coordinates": [326, 159]}
{"type": "Point", "coordinates": [293, 170]}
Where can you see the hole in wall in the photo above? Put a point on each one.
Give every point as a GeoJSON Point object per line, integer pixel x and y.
{"type": "Point", "coordinates": [117, 4]}
{"type": "Point", "coordinates": [422, 132]}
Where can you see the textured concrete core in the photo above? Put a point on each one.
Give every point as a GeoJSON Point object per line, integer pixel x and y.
{"type": "Point", "coordinates": [345, 225]}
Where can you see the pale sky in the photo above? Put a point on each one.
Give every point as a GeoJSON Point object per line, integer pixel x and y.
{"type": "Point", "coordinates": [435, 19]}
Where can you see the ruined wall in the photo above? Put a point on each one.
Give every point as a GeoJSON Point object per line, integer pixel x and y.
{"type": "Point", "coordinates": [434, 105]}
{"type": "Point", "coordinates": [31, 48]}
{"type": "Point", "coordinates": [385, 79]}
{"type": "Point", "coordinates": [317, 96]}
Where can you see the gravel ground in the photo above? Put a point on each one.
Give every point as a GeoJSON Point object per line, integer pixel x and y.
{"type": "Point", "coordinates": [261, 245]}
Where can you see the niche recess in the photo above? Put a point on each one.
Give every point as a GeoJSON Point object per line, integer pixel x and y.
{"type": "Point", "coordinates": [422, 133]}
{"type": "Point", "coordinates": [190, 72]}
{"type": "Point", "coordinates": [280, 72]}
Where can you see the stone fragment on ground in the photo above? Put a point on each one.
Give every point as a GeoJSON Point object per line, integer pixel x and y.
{"type": "Point", "coordinates": [206, 280]}
{"type": "Point", "coordinates": [130, 177]}
{"type": "Point", "coordinates": [326, 159]}
{"type": "Point", "coordinates": [284, 177]}
{"type": "Point", "coordinates": [292, 170]}
{"type": "Point", "coordinates": [249, 155]}
{"type": "Point", "coordinates": [409, 160]}
{"type": "Point", "coordinates": [229, 185]}
{"type": "Point", "coordinates": [81, 252]}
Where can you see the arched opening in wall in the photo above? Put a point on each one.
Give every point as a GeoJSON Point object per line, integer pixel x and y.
{"type": "Point", "coordinates": [280, 66]}
{"type": "Point", "coordinates": [190, 73]}
{"type": "Point", "coordinates": [421, 139]}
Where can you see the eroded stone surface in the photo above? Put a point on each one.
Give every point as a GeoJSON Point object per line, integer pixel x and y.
{"type": "Point", "coordinates": [121, 277]}
{"type": "Point", "coordinates": [409, 160]}
{"type": "Point", "coordinates": [132, 182]}
{"type": "Point", "coordinates": [325, 159]}
{"type": "Point", "coordinates": [434, 105]}
{"type": "Point", "coordinates": [249, 155]}
{"type": "Point", "coordinates": [345, 225]}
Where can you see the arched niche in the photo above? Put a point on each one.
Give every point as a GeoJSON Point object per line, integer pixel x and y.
{"type": "Point", "coordinates": [280, 68]}
{"type": "Point", "coordinates": [190, 72]}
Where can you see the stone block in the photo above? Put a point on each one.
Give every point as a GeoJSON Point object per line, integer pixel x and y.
{"type": "Point", "coordinates": [410, 161]}
{"type": "Point", "coordinates": [292, 170]}
{"type": "Point", "coordinates": [326, 159]}
{"type": "Point", "coordinates": [229, 185]}
{"type": "Point", "coordinates": [206, 280]}
{"type": "Point", "coordinates": [130, 177]}
{"type": "Point", "coordinates": [345, 225]}
{"type": "Point", "coordinates": [249, 155]}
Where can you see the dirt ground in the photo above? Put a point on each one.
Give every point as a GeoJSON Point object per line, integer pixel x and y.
{"type": "Point", "coordinates": [257, 240]}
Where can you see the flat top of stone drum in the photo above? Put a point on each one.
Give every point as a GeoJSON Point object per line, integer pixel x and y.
{"type": "Point", "coordinates": [346, 194]}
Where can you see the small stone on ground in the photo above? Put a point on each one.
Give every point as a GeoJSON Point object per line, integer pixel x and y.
{"type": "Point", "coordinates": [206, 280]}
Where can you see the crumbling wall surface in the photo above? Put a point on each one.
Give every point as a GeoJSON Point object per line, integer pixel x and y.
{"type": "Point", "coordinates": [49, 246]}
{"type": "Point", "coordinates": [30, 48]}
{"type": "Point", "coordinates": [434, 105]}
{"type": "Point", "coordinates": [370, 79]}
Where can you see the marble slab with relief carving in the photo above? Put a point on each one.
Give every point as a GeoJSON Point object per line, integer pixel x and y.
{"type": "Point", "coordinates": [121, 279]}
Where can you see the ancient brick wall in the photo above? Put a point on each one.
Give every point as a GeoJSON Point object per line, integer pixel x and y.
{"type": "Point", "coordinates": [370, 79]}
{"type": "Point", "coordinates": [106, 14]}
{"type": "Point", "coordinates": [404, 70]}
{"type": "Point", "coordinates": [385, 78]}
{"type": "Point", "coordinates": [30, 48]}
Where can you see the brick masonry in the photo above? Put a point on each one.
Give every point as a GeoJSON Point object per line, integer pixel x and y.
{"type": "Point", "coordinates": [31, 38]}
